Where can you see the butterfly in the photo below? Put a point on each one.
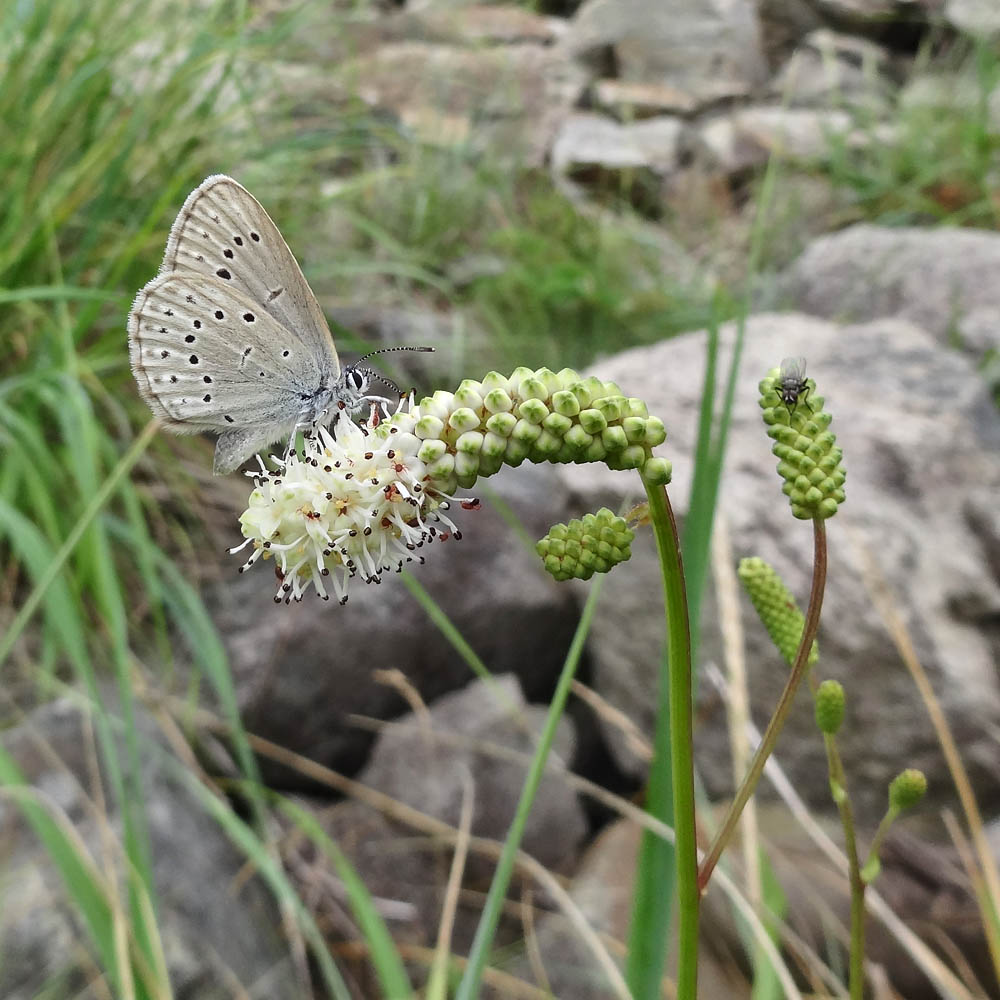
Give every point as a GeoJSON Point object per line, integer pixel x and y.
{"type": "Point", "coordinates": [229, 337]}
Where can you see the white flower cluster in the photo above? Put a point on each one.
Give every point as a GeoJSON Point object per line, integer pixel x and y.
{"type": "Point", "coordinates": [357, 503]}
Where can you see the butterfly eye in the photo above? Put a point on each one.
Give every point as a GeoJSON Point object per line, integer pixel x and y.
{"type": "Point", "coordinates": [358, 379]}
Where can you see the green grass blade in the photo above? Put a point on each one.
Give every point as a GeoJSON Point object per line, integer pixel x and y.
{"type": "Point", "coordinates": [469, 987]}
{"type": "Point", "coordinates": [395, 984]}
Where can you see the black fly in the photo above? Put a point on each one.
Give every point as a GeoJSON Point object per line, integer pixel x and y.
{"type": "Point", "coordinates": [792, 383]}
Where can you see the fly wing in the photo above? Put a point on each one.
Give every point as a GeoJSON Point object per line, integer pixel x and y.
{"type": "Point", "coordinates": [793, 369]}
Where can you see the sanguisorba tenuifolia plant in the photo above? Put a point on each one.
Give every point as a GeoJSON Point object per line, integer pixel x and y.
{"type": "Point", "coordinates": [811, 467]}
{"type": "Point", "coordinates": [363, 499]}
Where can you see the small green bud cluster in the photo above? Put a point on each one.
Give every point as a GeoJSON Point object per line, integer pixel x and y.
{"type": "Point", "coordinates": [809, 460]}
{"type": "Point", "coordinates": [538, 416]}
{"type": "Point", "coordinates": [907, 789]}
{"type": "Point", "coordinates": [592, 544]}
{"type": "Point", "coordinates": [776, 607]}
{"type": "Point", "coordinates": [829, 707]}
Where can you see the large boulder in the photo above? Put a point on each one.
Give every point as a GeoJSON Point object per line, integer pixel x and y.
{"type": "Point", "coordinates": [708, 49]}
{"type": "Point", "coordinates": [933, 277]}
{"type": "Point", "coordinates": [918, 431]}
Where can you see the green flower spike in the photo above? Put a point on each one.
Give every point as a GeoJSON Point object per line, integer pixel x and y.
{"type": "Point", "coordinates": [776, 607]}
{"type": "Point", "coordinates": [907, 789]}
{"type": "Point", "coordinates": [829, 707]}
{"type": "Point", "coordinates": [535, 416]}
{"type": "Point", "coordinates": [592, 544]}
{"type": "Point", "coordinates": [809, 460]}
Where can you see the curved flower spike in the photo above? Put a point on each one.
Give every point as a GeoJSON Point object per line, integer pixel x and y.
{"type": "Point", "coordinates": [592, 544]}
{"type": "Point", "coordinates": [809, 461]}
{"type": "Point", "coordinates": [535, 416]}
{"type": "Point", "coordinates": [776, 607]}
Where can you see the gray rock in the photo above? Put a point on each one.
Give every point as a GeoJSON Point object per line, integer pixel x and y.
{"type": "Point", "coordinates": [975, 17]}
{"type": "Point", "coordinates": [423, 761]}
{"type": "Point", "coordinates": [744, 139]}
{"type": "Point", "coordinates": [917, 430]}
{"type": "Point", "coordinates": [876, 15]}
{"type": "Point", "coordinates": [508, 100]}
{"type": "Point", "coordinates": [783, 24]}
{"type": "Point", "coordinates": [207, 925]}
{"type": "Point", "coordinates": [832, 69]}
{"type": "Point", "coordinates": [588, 141]}
{"type": "Point", "coordinates": [413, 765]}
{"type": "Point", "coordinates": [300, 669]}
{"type": "Point", "coordinates": [488, 23]}
{"type": "Point", "coordinates": [630, 100]}
{"type": "Point", "coordinates": [934, 277]}
{"type": "Point", "coordinates": [708, 49]}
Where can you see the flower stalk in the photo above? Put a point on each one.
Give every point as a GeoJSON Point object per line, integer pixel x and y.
{"type": "Point", "coordinates": [770, 738]}
{"type": "Point", "coordinates": [672, 770]}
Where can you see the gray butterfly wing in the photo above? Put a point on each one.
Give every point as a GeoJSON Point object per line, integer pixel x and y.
{"type": "Point", "coordinates": [206, 357]}
{"type": "Point", "coordinates": [222, 232]}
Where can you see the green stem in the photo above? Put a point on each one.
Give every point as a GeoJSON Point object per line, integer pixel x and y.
{"type": "Point", "coordinates": [671, 776]}
{"type": "Point", "coordinates": [872, 861]}
{"type": "Point", "coordinates": [799, 670]}
{"type": "Point", "coordinates": [838, 781]}
{"type": "Point", "coordinates": [468, 988]}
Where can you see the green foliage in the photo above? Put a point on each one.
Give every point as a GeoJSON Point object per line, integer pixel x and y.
{"type": "Point", "coordinates": [937, 160]}
{"type": "Point", "coordinates": [545, 277]}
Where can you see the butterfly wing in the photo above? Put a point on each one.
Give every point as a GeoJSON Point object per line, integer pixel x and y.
{"type": "Point", "coordinates": [206, 357]}
{"type": "Point", "coordinates": [223, 233]}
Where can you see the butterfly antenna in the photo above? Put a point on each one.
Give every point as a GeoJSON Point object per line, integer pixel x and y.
{"type": "Point", "coordinates": [390, 350]}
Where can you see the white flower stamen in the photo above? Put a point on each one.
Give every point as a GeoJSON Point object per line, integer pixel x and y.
{"type": "Point", "coordinates": [357, 502]}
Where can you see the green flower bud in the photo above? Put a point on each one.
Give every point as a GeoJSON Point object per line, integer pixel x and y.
{"type": "Point", "coordinates": [565, 403]}
{"type": "Point", "coordinates": [593, 421]}
{"type": "Point", "coordinates": [463, 419]}
{"type": "Point", "coordinates": [592, 544]}
{"type": "Point", "coordinates": [526, 431]}
{"type": "Point", "coordinates": [533, 388]}
{"type": "Point", "coordinates": [468, 395]}
{"type": "Point", "coordinates": [429, 426]}
{"type": "Point", "coordinates": [655, 433]}
{"type": "Point", "coordinates": [611, 407]}
{"type": "Point", "coordinates": [517, 452]}
{"type": "Point", "coordinates": [533, 410]}
{"type": "Point", "coordinates": [546, 445]}
{"type": "Point", "coordinates": [577, 438]}
{"type": "Point", "coordinates": [557, 424]}
{"type": "Point", "coordinates": [498, 401]}
{"type": "Point", "coordinates": [493, 381]}
{"type": "Point", "coordinates": [502, 424]}
{"type": "Point", "coordinates": [431, 450]}
{"type": "Point", "coordinates": [470, 443]}
{"type": "Point", "coordinates": [776, 608]}
{"type": "Point", "coordinates": [635, 429]}
{"type": "Point", "coordinates": [442, 468]}
{"type": "Point", "coordinates": [829, 706]}
{"type": "Point", "coordinates": [907, 789]}
{"type": "Point", "coordinates": [467, 468]}
{"type": "Point", "coordinates": [614, 438]}
{"type": "Point", "coordinates": [809, 461]}
{"type": "Point", "coordinates": [494, 446]}
{"type": "Point", "coordinates": [657, 471]}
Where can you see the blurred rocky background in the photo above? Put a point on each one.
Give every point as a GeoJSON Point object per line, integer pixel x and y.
{"type": "Point", "coordinates": [591, 184]}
